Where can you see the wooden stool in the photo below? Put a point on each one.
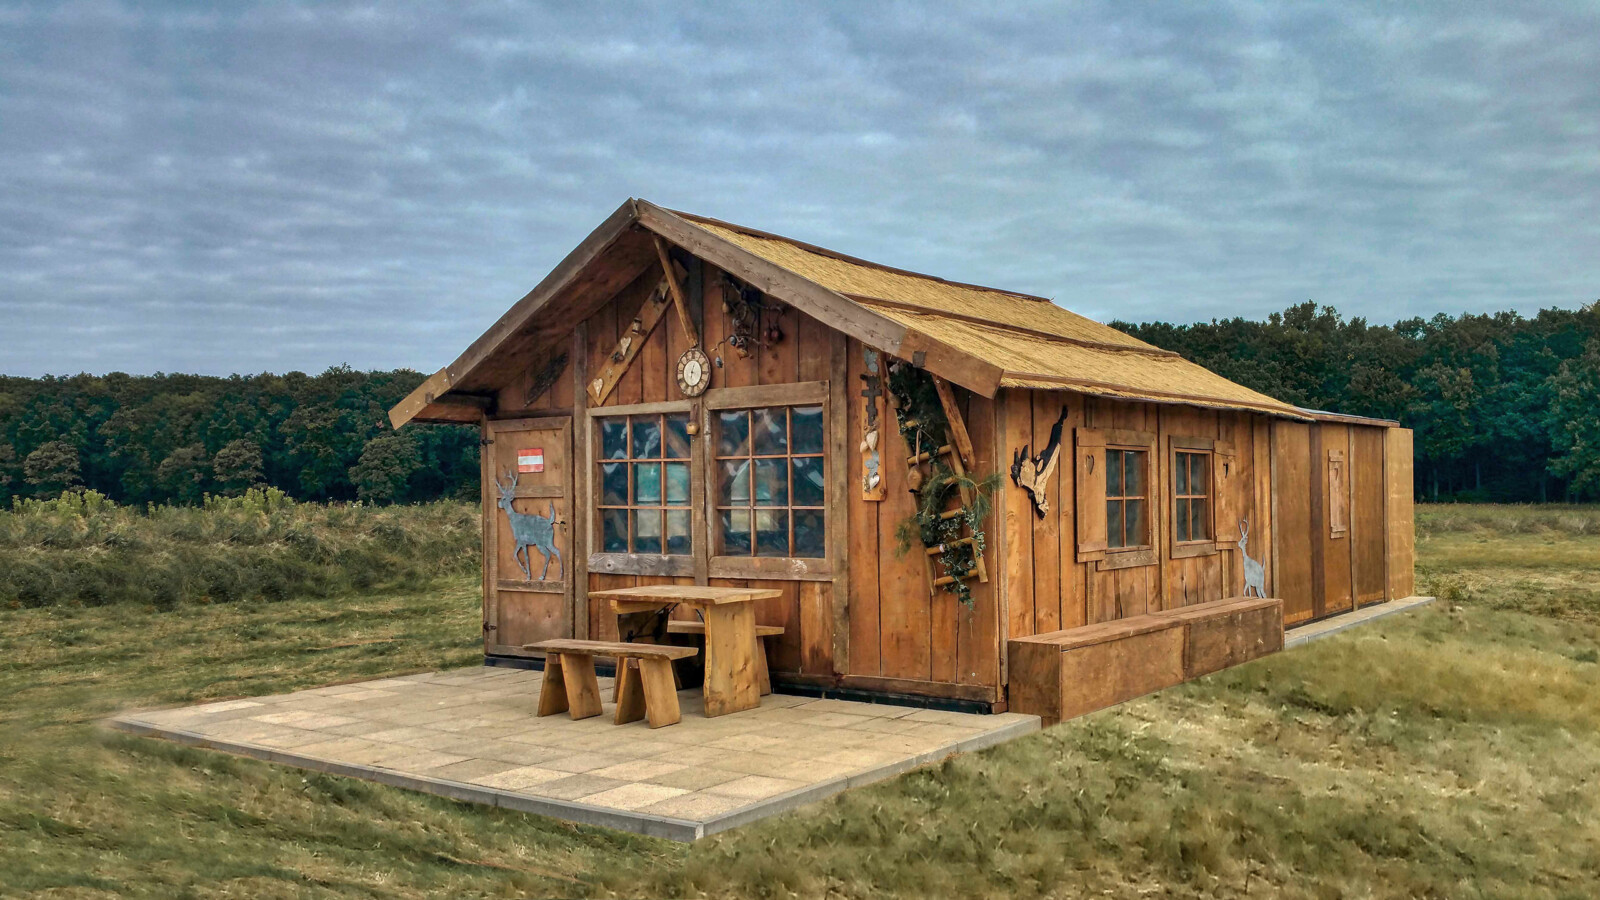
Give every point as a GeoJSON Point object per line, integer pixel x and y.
{"type": "Point", "coordinates": [676, 626]}
{"type": "Point", "coordinates": [570, 684]}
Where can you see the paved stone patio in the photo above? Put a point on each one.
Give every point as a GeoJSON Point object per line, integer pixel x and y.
{"type": "Point", "coordinates": [471, 734]}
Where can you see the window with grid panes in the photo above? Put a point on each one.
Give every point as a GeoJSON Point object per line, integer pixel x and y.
{"type": "Point", "coordinates": [770, 488]}
{"type": "Point", "coordinates": [1127, 475]}
{"type": "Point", "coordinates": [1191, 488]}
{"type": "Point", "coordinates": [644, 484]}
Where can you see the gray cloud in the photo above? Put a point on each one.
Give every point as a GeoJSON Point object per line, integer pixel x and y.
{"type": "Point", "coordinates": [279, 186]}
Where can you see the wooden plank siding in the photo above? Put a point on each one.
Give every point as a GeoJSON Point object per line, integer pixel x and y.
{"type": "Point", "coordinates": [867, 619]}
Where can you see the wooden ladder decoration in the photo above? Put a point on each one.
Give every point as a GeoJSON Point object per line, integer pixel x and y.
{"type": "Point", "coordinates": [957, 447]}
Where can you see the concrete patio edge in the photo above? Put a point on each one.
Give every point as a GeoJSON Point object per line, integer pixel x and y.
{"type": "Point", "coordinates": [638, 823]}
{"type": "Point", "coordinates": [1316, 631]}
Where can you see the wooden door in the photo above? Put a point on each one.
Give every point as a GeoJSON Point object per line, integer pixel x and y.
{"type": "Point", "coordinates": [527, 546]}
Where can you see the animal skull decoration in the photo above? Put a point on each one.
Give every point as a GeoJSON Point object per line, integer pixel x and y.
{"type": "Point", "coordinates": [1033, 474]}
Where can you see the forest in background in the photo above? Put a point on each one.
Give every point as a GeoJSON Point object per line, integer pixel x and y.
{"type": "Point", "coordinates": [1505, 408]}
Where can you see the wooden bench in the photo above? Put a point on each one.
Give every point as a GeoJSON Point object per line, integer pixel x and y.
{"type": "Point", "coordinates": [698, 629]}
{"type": "Point", "coordinates": [1063, 674]}
{"type": "Point", "coordinates": [647, 690]}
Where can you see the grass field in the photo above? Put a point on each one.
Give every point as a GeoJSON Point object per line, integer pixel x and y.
{"type": "Point", "coordinates": [1450, 752]}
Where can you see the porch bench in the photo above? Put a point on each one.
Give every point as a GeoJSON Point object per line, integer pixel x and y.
{"type": "Point", "coordinates": [647, 690]}
{"type": "Point", "coordinates": [1062, 674]}
{"type": "Point", "coordinates": [698, 629]}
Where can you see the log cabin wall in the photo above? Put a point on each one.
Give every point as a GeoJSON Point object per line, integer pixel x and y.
{"type": "Point", "coordinates": [864, 618]}
{"type": "Point", "coordinates": [1046, 585]}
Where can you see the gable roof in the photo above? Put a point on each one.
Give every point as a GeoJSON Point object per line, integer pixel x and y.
{"type": "Point", "coordinates": [981, 338]}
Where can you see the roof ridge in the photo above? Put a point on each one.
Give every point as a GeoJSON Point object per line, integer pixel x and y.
{"type": "Point", "coordinates": [856, 260]}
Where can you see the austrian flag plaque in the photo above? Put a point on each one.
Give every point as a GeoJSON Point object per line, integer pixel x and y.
{"type": "Point", "coordinates": [530, 460]}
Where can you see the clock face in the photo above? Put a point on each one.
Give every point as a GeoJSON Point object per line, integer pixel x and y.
{"type": "Point", "coordinates": [694, 372]}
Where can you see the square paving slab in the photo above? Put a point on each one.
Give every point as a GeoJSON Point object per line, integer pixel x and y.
{"type": "Point", "coordinates": [471, 734]}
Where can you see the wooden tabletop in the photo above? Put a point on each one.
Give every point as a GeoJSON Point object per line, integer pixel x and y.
{"type": "Point", "coordinates": [695, 594]}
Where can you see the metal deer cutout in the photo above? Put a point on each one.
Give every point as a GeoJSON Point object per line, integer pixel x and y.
{"type": "Point", "coordinates": [1255, 576]}
{"type": "Point", "coordinates": [1033, 474]}
{"type": "Point", "coordinates": [527, 531]}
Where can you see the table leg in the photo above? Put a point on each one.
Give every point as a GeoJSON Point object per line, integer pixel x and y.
{"type": "Point", "coordinates": [731, 683]}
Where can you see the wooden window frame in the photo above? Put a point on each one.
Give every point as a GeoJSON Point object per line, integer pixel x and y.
{"type": "Point", "coordinates": [1147, 554]}
{"type": "Point", "coordinates": [805, 393]}
{"type": "Point", "coordinates": [612, 563]}
{"type": "Point", "coordinates": [1177, 444]}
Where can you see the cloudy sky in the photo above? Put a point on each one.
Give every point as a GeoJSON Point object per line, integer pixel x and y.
{"type": "Point", "coordinates": [284, 187]}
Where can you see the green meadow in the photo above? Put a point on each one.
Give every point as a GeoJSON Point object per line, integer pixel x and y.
{"type": "Point", "coordinates": [1448, 752]}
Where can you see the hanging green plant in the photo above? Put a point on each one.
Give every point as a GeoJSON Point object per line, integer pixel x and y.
{"type": "Point", "coordinates": [925, 428]}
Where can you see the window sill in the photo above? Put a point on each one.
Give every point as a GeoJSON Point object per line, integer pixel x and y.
{"type": "Point", "coordinates": [640, 564]}
{"type": "Point", "coordinates": [1128, 559]}
{"type": "Point", "coordinates": [770, 567]}
{"type": "Point", "coordinates": [1190, 549]}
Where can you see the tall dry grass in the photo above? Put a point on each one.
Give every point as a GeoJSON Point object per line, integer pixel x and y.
{"type": "Point", "coordinates": [84, 549]}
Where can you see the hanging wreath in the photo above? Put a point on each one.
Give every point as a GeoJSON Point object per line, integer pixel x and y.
{"type": "Point", "coordinates": [923, 425]}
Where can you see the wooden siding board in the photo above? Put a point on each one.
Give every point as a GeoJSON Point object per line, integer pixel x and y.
{"type": "Point", "coordinates": [1367, 513]}
{"type": "Point", "coordinates": [978, 644]}
{"type": "Point", "coordinates": [1336, 594]}
{"type": "Point", "coordinates": [865, 537]}
{"type": "Point", "coordinates": [1292, 540]}
{"type": "Point", "coordinates": [1017, 512]}
{"type": "Point", "coordinates": [1400, 494]}
{"type": "Point", "coordinates": [1046, 409]}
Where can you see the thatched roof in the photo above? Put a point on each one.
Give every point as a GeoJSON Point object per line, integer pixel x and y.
{"type": "Point", "coordinates": [982, 338]}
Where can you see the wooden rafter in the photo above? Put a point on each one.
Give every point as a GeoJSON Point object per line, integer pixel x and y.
{"type": "Point", "coordinates": [678, 299]}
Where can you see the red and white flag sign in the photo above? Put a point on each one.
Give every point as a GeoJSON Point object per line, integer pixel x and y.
{"type": "Point", "coordinates": [530, 460]}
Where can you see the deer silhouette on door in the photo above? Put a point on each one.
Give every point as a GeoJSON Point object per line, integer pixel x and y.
{"type": "Point", "coordinates": [527, 531]}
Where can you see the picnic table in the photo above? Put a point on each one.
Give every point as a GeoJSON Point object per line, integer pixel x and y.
{"type": "Point", "coordinates": [731, 681]}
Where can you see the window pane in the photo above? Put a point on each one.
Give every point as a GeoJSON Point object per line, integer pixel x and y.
{"type": "Point", "coordinates": [1180, 474]}
{"type": "Point", "coordinates": [808, 486]}
{"type": "Point", "coordinates": [1114, 522]}
{"type": "Point", "coordinates": [1200, 521]}
{"type": "Point", "coordinates": [677, 483]}
{"type": "Point", "coordinates": [647, 438]}
{"type": "Point", "coordinates": [734, 533]}
{"type": "Point", "coordinates": [1133, 474]}
{"type": "Point", "coordinates": [678, 437]}
{"type": "Point", "coordinates": [1181, 519]}
{"type": "Point", "coordinates": [614, 438]}
{"type": "Point", "coordinates": [772, 482]}
{"type": "Point", "coordinates": [646, 531]}
{"type": "Point", "coordinates": [1113, 473]}
{"type": "Point", "coordinates": [733, 482]}
{"type": "Point", "coordinates": [1137, 535]}
{"type": "Point", "coordinates": [769, 429]}
{"type": "Point", "coordinates": [809, 533]}
{"type": "Point", "coordinates": [678, 532]}
{"type": "Point", "coordinates": [1198, 478]}
{"type": "Point", "coordinates": [807, 423]}
{"type": "Point", "coordinates": [733, 433]}
{"type": "Point", "coordinates": [614, 530]}
{"type": "Point", "coordinates": [614, 484]}
{"type": "Point", "coordinates": [772, 532]}
{"type": "Point", "coordinates": [646, 483]}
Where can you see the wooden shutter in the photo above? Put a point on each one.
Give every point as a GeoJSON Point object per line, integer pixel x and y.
{"type": "Point", "coordinates": [1225, 487]}
{"type": "Point", "coordinates": [1338, 495]}
{"type": "Point", "coordinates": [1089, 475]}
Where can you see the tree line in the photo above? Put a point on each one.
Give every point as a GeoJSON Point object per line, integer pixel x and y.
{"type": "Point", "coordinates": [1505, 408]}
{"type": "Point", "coordinates": [175, 438]}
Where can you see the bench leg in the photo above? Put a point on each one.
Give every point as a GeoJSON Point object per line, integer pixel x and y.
{"type": "Point", "coordinates": [660, 700]}
{"type": "Point", "coordinates": [583, 689]}
{"type": "Point", "coordinates": [763, 678]}
{"type": "Point", "coordinates": [553, 693]}
{"type": "Point", "coordinates": [630, 696]}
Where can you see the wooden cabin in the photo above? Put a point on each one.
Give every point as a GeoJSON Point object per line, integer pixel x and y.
{"type": "Point", "coordinates": [685, 400]}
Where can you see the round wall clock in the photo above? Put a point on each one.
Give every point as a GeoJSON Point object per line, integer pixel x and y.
{"type": "Point", "coordinates": [694, 372]}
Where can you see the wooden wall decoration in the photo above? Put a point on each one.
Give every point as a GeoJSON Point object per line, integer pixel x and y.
{"type": "Point", "coordinates": [544, 378]}
{"type": "Point", "coordinates": [530, 530]}
{"type": "Point", "coordinates": [1255, 574]}
{"type": "Point", "coordinates": [632, 341]}
{"type": "Point", "coordinates": [1034, 474]}
{"type": "Point", "coordinates": [872, 483]}
{"type": "Point", "coordinates": [1338, 495]}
